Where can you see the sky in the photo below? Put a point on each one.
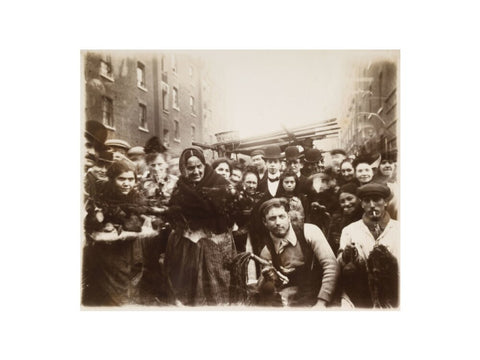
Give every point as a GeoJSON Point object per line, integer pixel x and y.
{"type": "Point", "coordinates": [264, 89]}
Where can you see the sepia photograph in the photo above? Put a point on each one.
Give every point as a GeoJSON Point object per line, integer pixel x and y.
{"type": "Point", "coordinates": [240, 179]}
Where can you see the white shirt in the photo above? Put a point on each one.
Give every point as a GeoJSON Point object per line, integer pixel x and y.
{"type": "Point", "coordinates": [273, 185]}
{"type": "Point", "coordinates": [357, 233]}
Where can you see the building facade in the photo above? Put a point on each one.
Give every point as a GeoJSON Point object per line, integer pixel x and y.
{"type": "Point", "coordinates": [370, 122]}
{"type": "Point", "coordinates": [137, 95]}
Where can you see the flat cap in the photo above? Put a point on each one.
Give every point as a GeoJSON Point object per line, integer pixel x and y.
{"type": "Point", "coordinates": [118, 143]}
{"type": "Point", "coordinates": [257, 152]}
{"type": "Point", "coordinates": [136, 150]}
{"type": "Point", "coordinates": [275, 202]}
{"type": "Point", "coordinates": [374, 189]}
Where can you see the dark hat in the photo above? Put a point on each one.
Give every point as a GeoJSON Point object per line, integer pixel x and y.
{"type": "Point", "coordinates": [361, 160]}
{"type": "Point", "coordinates": [136, 150]}
{"type": "Point", "coordinates": [389, 155]}
{"type": "Point", "coordinates": [313, 155]}
{"type": "Point", "coordinates": [192, 151]}
{"type": "Point", "coordinates": [272, 152]}
{"type": "Point", "coordinates": [374, 189]}
{"type": "Point", "coordinates": [257, 152]}
{"type": "Point", "coordinates": [275, 202]}
{"type": "Point", "coordinates": [292, 153]}
{"type": "Point", "coordinates": [338, 151]}
{"type": "Point", "coordinates": [349, 187]}
{"type": "Point", "coordinates": [105, 157]}
{"type": "Point", "coordinates": [95, 132]}
{"type": "Point", "coordinates": [154, 145]}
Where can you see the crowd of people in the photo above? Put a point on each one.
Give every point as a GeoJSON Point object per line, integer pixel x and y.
{"type": "Point", "coordinates": [281, 229]}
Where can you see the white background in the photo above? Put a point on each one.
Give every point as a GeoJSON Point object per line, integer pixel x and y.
{"type": "Point", "coordinates": [41, 179]}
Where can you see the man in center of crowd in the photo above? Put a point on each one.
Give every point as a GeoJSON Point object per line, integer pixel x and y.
{"type": "Point", "coordinates": [270, 183]}
{"type": "Point", "coordinates": [299, 253]}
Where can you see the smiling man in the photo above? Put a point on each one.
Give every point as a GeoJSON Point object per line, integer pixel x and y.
{"type": "Point", "coordinates": [300, 253]}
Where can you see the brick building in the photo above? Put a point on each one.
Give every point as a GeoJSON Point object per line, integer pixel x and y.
{"type": "Point", "coordinates": [137, 95]}
{"type": "Point", "coordinates": [370, 121]}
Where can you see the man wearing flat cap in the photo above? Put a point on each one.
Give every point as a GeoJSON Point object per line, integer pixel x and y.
{"type": "Point", "coordinates": [376, 227]}
{"type": "Point", "coordinates": [259, 162]}
{"type": "Point", "coordinates": [304, 271]}
{"type": "Point", "coordinates": [369, 252]}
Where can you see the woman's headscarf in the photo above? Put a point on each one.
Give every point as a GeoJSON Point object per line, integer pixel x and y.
{"type": "Point", "coordinates": [187, 154]}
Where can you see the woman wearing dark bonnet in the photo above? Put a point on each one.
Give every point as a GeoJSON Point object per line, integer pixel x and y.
{"type": "Point", "coordinates": [201, 245]}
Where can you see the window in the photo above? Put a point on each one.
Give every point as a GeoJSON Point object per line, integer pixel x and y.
{"type": "Point", "coordinates": [162, 61]}
{"type": "Point", "coordinates": [176, 130]}
{"type": "Point", "coordinates": [164, 96]}
{"type": "Point", "coordinates": [175, 98]}
{"type": "Point", "coordinates": [174, 64]}
{"type": "Point", "coordinates": [192, 104]}
{"type": "Point", "coordinates": [107, 111]}
{"type": "Point", "coordinates": [193, 133]}
{"type": "Point", "coordinates": [141, 75]}
{"type": "Point", "coordinates": [143, 116]}
{"type": "Point", "coordinates": [106, 67]}
{"type": "Point", "coordinates": [166, 138]}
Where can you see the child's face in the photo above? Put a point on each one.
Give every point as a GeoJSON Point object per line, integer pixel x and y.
{"type": "Point", "coordinates": [289, 183]}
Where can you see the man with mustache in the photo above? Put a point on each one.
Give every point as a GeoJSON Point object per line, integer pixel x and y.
{"type": "Point", "coordinates": [300, 254]}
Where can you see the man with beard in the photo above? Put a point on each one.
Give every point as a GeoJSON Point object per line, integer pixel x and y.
{"type": "Point", "coordinates": [299, 253]}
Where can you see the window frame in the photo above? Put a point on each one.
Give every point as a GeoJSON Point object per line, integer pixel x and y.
{"type": "Point", "coordinates": [108, 109]}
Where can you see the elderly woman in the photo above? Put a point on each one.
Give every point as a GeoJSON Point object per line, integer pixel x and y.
{"type": "Point", "coordinates": [201, 245]}
{"type": "Point", "coordinates": [113, 265]}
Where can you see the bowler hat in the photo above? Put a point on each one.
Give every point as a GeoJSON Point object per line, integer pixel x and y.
{"type": "Point", "coordinates": [374, 189]}
{"type": "Point", "coordinates": [105, 157]}
{"type": "Point", "coordinates": [95, 132]}
{"type": "Point", "coordinates": [313, 155]}
{"type": "Point", "coordinates": [292, 153]}
{"type": "Point", "coordinates": [272, 152]}
{"type": "Point", "coordinates": [136, 150]}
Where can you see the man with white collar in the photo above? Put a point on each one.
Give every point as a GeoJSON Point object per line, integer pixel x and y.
{"type": "Point", "coordinates": [301, 254]}
{"type": "Point", "coordinates": [270, 183]}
